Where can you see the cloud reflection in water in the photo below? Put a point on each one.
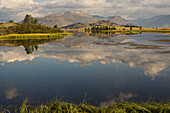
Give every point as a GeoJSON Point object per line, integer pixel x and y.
{"type": "Point", "coordinates": [86, 53]}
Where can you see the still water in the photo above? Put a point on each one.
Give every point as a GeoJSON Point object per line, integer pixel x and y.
{"type": "Point", "coordinates": [105, 68]}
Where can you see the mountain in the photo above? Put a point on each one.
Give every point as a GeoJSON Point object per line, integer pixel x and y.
{"type": "Point", "coordinates": [156, 21]}
{"type": "Point", "coordinates": [119, 20]}
{"type": "Point", "coordinates": [65, 19]}
{"type": "Point", "coordinates": [83, 25]}
{"type": "Point", "coordinates": [4, 20]}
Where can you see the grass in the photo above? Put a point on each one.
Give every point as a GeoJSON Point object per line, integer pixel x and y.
{"type": "Point", "coordinates": [56, 106]}
{"type": "Point", "coordinates": [35, 36]}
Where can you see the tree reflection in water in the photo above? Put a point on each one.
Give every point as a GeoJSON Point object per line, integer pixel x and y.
{"type": "Point", "coordinates": [30, 45]}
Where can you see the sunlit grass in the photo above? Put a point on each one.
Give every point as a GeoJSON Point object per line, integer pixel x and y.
{"type": "Point", "coordinates": [35, 36]}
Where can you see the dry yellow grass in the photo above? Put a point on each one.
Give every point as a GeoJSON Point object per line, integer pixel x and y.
{"type": "Point", "coordinates": [35, 35]}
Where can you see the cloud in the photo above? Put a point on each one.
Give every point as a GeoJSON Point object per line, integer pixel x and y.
{"type": "Point", "coordinates": [11, 93]}
{"type": "Point", "coordinates": [15, 54]}
{"type": "Point", "coordinates": [122, 97]}
{"type": "Point", "coordinates": [16, 9]}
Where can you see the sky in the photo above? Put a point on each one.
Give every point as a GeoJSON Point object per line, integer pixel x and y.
{"type": "Point", "coordinates": [128, 9]}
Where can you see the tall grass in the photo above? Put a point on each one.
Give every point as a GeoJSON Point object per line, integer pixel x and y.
{"type": "Point", "coordinates": [56, 106]}
{"type": "Point", "coordinates": [35, 36]}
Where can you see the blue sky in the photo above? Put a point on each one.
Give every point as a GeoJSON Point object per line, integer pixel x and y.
{"type": "Point", "coordinates": [128, 9]}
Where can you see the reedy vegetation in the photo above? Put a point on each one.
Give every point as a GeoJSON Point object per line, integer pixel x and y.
{"type": "Point", "coordinates": [56, 106]}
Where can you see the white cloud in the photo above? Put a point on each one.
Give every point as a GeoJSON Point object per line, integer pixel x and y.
{"type": "Point", "coordinates": [16, 9]}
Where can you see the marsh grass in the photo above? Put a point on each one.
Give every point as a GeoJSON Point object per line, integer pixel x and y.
{"type": "Point", "coordinates": [57, 106]}
{"type": "Point", "coordinates": [35, 36]}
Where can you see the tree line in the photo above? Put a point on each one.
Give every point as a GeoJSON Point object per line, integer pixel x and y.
{"type": "Point", "coordinates": [97, 28]}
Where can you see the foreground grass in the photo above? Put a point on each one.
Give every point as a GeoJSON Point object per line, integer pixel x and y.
{"type": "Point", "coordinates": [35, 36]}
{"type": "Point", "coordinates": [57, 106]}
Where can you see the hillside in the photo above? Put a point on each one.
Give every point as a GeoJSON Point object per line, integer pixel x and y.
{"type": "Point", "coordinates": [85, 25]}
{"type": "Point", "coordinates": [70, 17]}
{"type": "Point", "coordinates": [157, 21]}
{"type": "Point", "coordinates": [24, 28]}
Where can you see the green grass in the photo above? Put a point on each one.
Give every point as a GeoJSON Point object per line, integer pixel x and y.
{"type": "Point", "coordinates": [56, 106]}
{"type": "Point", "coordinates": [35, 36]}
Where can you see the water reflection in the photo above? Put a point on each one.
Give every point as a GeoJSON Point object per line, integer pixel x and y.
{"type": "Point", "coordinates": [29, 44]}
{"type": "Point", "coordinates": [88, 50]}
{"type": "Point", "coordinates": [111, 69]}
{"type": "Point", "coordinates": [121, 98]}
{"type": "Point", "coordinates": [11, 93]}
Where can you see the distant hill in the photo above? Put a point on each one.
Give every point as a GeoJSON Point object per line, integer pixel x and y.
{"type": "Point", "coordinates": [119, 20]}
{"type": "Point", "coordinates": [83, 25]}
{"type": "Point", "coordinates": [157, 21]}
{"type": "Point", "coordinates": [4, 20]}
{"type": "Point", "coordinates": [71, 17]}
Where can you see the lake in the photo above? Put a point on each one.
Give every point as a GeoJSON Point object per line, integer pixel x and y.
{"type": "Point", "coordinates": [103, 69]}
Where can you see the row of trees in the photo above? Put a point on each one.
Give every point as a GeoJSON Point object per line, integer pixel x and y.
{"type": "Point", "coordinates": [97, 28]}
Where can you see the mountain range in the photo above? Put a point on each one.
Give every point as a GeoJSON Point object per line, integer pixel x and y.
{"type": "Point", "coordinates": [156, 21]}
{"type": "Point", "coordinates": [68, 18]}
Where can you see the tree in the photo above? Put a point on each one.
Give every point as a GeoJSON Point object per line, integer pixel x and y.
{"type": "Point", "coordinates": [140, 27]}
{"type": "Point", "coordinates": [106, 28]}
{"type": "Point", "coordinates": [56, 26]}
{"type": "Point", "coordinates": [35, 21]}
{"type": "Point", "coordinates": [97, 28]}
{"type": "Point", "coordinates": [131, 28]}
{"type": "Point", "coordinates": [11, 21]}
{"type": "Point", "coordinates": [29, 19]}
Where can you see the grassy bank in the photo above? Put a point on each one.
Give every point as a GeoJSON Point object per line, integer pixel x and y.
{"type": "Point", "coordinates": [57, 106]}
{"type": "Point", "coordinates": [35, 36]}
